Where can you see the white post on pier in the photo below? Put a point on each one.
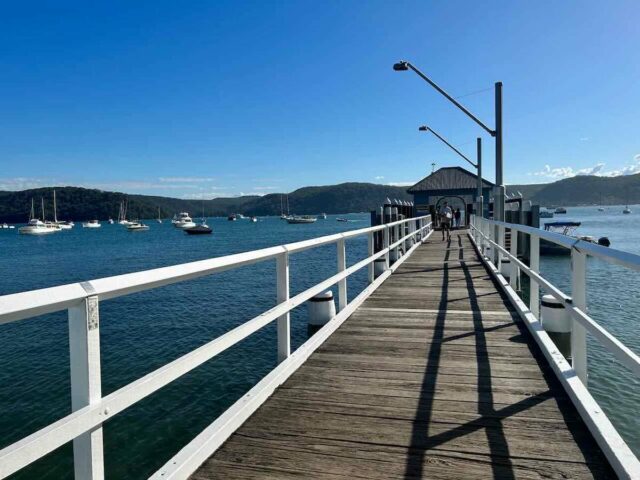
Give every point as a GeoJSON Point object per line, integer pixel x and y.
{"type": "Point", "coordinates": [534, 264]}
{"type": "Point", "coordinates": [370, 252]}
{"type": "Point", "coordinates": [513, 279]}
{"type": "Point", "coordinates": [342, 284]}
{"type": "Point", "coordinates": [282, 295]}
{"type": "Point", "coordinates": [385, 244]}
{"type": "Point", "coordinates": [579, 300]}
{"type": "Point", "coordinates": [86, 388]}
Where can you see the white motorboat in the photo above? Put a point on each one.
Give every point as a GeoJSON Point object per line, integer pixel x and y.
{"type": "Point", "coordinates": [626, 210]}
{"type": "Point", "coordinates": [301, 219]}
{"type": "Point", "coordinates": [253, 219]}
{"type": "Point", "coordinates": [4, 225]}
{"type": "Point", "coordinates": [183, 220]}
{"type": "Point", "coordinates": [137, 227]}
{"type": "Point", "coordinates": [37, 226]}
{"type": "Point", "coordinates": [91, 224]}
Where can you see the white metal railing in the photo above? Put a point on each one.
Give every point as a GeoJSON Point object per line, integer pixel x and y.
{"type": "Point", "coordinates": [489, 238]}
{"type": "Point", "coordinates": [90, 409]}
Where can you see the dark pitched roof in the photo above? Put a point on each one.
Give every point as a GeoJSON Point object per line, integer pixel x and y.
{"type": "Point", "coordinates": [448, 178]}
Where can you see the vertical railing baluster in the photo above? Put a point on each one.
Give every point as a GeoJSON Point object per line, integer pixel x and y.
{"type": "Point", "coordinates": [342, 284]}
{"type": "Point", "coordinates": [398, 236]}
{"type": "Point", "coordinates": [579, 300]}
{"type": "Point", "coordinates": [513, 279]}
{"type": "Point", "coordinates": [385, 245]}
{"type": "Point", "coordinates": [282, 294]}
{"type": "Point", "coordinates": [534, 264]}
{"type": "Point", "coordinates": [86, 388]}
{"type": "Point", "coordinates": [370, 252]}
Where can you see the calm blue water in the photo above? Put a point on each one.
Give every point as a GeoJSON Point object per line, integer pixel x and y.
{"type": "Point", "coordinates": [142, 332]}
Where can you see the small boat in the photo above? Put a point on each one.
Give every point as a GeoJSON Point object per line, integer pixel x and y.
{"type": "Point", "coordinates": [91, 224]}
{"type": "Point", "coordinates": [202, 229]}
{"type": "Point", "coordinates": [341, 220]}
{"type": "Point", "coordinates": [64, 225]}
{"type": "Point", "coordinates": [601, 209]}
{"type": "Point", "coordinates": [159, 219]}
{"type": "Point", "coordinates": [253, 219]}
{"type": "Point", "coordinates": [37, 226]}
{"type": "Point", "coordinates": [183, 220]}
{"type": "Point", "coordinates": [137, 227]}
{"type": "Point", "coordinates": [111, 222]}
{"type": "Point", "coordinates": [568, 229]}
{"type": "Point", "coordinates": [323, 216]}
{"type": "Point", "coordinates": [4, 225]}
{"type": "Point", "coordinates": [626, 210]}
{"type": "Point", "coordinates": [560, 210]}
{"type": "Point", "coordinates": [232, 217]}
{"type": "Point", "coordinates": [546, 214]}
{"type": "Point", "coordinates": [122, 214]}
{"type": "Point", "coordinates": [301, 219]}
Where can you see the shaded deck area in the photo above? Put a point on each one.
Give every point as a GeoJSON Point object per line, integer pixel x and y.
{"type": "Point", "coordinates": [434, 376]}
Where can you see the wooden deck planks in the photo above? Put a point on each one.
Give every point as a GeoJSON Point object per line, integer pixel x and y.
{"type": "Point", "coordinates": [433, 377]}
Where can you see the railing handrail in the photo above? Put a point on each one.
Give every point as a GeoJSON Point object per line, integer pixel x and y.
{"type": "Point", "coordinates": [18, 306]}
{"type": "Point", "coordinates": [81, 299]}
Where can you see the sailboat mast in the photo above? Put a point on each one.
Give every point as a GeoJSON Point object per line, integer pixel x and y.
{"type": "Point", "coordinates": [42, 200]}
{"type": "Point", "coordinates": [55, 209]}
{"type": "Point", "coordinates": [33, 210]}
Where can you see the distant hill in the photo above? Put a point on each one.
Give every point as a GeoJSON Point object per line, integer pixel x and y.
{"type": "Point", "coordinates": [79, 204]}
{"type": "Point", "coordinates": [583, 190]}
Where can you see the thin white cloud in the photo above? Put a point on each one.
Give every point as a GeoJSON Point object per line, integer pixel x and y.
{"type": "Point", "coordinates": [379, 177]}
{"type": "Point", "coordinates": [185, 179]}
{"type": "Point", "coordinates": [585, 139]}
{"type": "Point", "coordinates": [400, 184]}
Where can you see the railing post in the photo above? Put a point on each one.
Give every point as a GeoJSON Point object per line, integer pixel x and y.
{"type": "Point", "coordinates": [500, 241]}
{"type": "Point", "coordinates": [385, 244]}
{"type": "Point", "coordinates": [513, 279]}
{"type": "Point", "coordinates": [342, 265]}
{"type": "Point", "coordinates": [86, 388]}
{"type": "Point", "coordinates": [282, 293]}
{"type": "Point", "coordinates": [534, 264]}
{"type": "Point", "coordinates": [398, 237]}
{"type": "Point", "coordinates": [579, 300]}
{"type": "Point", "coordinates": [370, 252]}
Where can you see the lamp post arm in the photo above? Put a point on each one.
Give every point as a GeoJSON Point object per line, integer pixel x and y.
{"type": "Point", "coordinates": [451, 99]}
{"type": "Point", "coordinates": [453, 148]}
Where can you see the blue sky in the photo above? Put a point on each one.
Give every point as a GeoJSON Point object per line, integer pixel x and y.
{"type": "Point", "coordinates": [192, 99]}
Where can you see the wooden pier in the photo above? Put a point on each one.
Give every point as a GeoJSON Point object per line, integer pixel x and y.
{"type": "Point", "coordinates": [434, 376]}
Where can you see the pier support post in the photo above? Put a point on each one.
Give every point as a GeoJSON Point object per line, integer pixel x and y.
{"type": "Point", "coordinates": [342, 265]}
{"type": "Point", "coordinates": [86, 388]}
{"type": "Point", "coordinates": [579, 300]}
{"type": "Point", "coordinates": [282, 294]}
{"type": "Point", "coordinates": [534, 264]}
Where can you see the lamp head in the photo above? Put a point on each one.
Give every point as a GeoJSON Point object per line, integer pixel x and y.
{"type": "Point", "coordinates": [401, 66]}
{"type": "Point", "coordinates": [423, 128]}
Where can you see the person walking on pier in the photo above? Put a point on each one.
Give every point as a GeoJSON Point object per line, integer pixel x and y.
{"type": "Point", "coordinates": [446, 219]}
{"type": "Point", "coordinates": [457, 216]}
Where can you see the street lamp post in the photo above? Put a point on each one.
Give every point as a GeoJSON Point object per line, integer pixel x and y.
{"type": "Point", "coordinates": [497, 133]}
{"type": "Point", "coordinates": [477, 165]}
